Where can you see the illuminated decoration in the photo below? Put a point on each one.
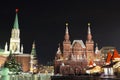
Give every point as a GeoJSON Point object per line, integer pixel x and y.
{"type": "Point", "coordinates": [108, 70]}
{"type": "Point", "coordinates": [117, 65]}
{"type": "Point", "coordinates": [112, 63]}
{"type": "Point", "coordinates": [13, 65]}
{"type": "Point", "coordinates": [91, 63]}
{"type": "Point", "coordinates": [96, 69]}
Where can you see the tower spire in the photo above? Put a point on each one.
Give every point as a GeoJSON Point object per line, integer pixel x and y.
{"type": "Point", "coordinates": [89, 44]}
{"type": "Point", "coordinates": [67, 28]}
{"type": "Point", "coordinates": [22, 48]}
{"type": "Point", "coordinates": [59, 51]}
{"type": "Point", "coordinates": [66, 44]}
{"type": "Point", "coordinates": [33, 52]}
{"type": "Point", "coordinates": [15, 36]}
{"type": "Point", "coordinates": [16, 25]}
{"type": "Point", "coordinates": [89, 31]}
{"type": "Point", "coordinates": [33, 61]}
{"type": "Point", "coordinates": [6, 47]}
{"type": "Point", "coordinates": [66, 33]}
{"type": "Point", "coordinates": [96, 49]}
{"type": "Point", "coordinates": [89, 37]}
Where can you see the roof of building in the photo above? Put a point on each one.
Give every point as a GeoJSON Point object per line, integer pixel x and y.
{"type": "Point", "coordinates": [16, 25]}
{"type": "Point", "coordinates": [80, 42]}
{"type": "Point", "coordinates": [115, 54]}
{"type": "Point", "coordinates": [109, 56]}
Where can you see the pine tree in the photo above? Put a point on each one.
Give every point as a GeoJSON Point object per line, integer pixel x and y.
{"type": "Point", "coordinates": [12, 64]}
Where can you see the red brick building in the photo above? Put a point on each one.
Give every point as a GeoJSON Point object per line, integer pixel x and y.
{"type": "Point", "coordinates": [24, 60]}
{"type": "Point", "coordinates": [74, 57]}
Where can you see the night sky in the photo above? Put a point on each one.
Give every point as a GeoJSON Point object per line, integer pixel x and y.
{"type": "Point", "coordinates": [43, 21]}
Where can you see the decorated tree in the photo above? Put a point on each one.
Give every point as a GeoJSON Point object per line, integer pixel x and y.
{"type": "Point", "coordinates": [12, 64]}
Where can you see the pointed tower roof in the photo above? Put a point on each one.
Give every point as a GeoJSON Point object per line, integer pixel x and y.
{"type": "Point", "coordinates": [91, 63]}
{"type": "Point", "coordinates": [66, 33]}
{"type": "Point", "coordinates": [89, 36]}
{"type": "Point", "coordinates": [96, 49]}
{"type": "Point", "coordinates": [109, 56]}
{"type": "Point", "coordinates": [21, 48]}
{"type": "Point", "coordinates": [33, 52]}
{"type": "Point", "coordinates": [16, 25]}
{"type": "Point", "coordinates": [67, 28]}
{"type": "Point", "coordinates": [89, 31]}
{"type": "Point", "coordinates": [59, 51]}
{"type": "Point", "coordinates": [6, 47]}
{"type": "Point", "coordinates": [115, 54]}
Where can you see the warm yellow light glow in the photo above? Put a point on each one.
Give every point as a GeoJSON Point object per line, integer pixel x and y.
{"type": "Point", "coordinates": [88, 24]}
{"type": "Point", "coordinates": [66, 24]}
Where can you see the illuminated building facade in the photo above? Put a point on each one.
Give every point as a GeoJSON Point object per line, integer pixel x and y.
{"type": "Point", "coordinates": [74, 58]}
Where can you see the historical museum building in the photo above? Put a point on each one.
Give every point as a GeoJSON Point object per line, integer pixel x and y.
{"type": "Point", "coordinates": [74, 57]}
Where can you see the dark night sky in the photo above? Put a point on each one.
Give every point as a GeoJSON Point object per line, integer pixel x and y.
{"type": "Point", "coordinates": [44, 22]}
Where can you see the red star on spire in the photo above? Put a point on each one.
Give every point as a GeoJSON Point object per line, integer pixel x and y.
{"type": "Point", "coordinates": [16, 10]}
